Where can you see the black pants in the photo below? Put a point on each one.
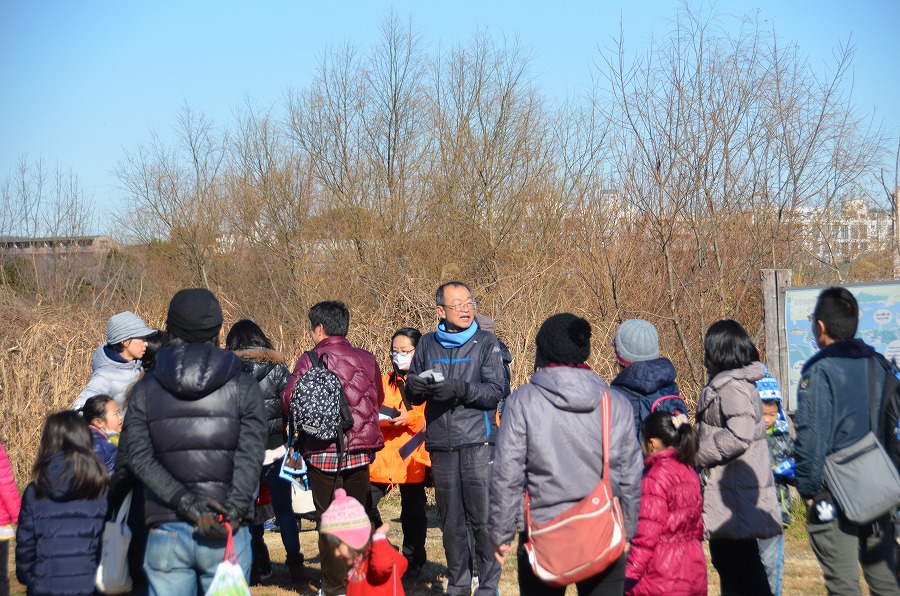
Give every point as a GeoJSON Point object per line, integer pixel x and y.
{"type": "Point", "coordinates": [462, 482]}
{"type": "Point", "coordinates": [4, 567]}
{"type": "Point", "coordinates": [609, 583]}
{"type": "Point", "coordinates": [740, 567]}
{"type": "Point", "coordinates": [413, 518]}
{"type": "Point", "coordinates": [356, 483]}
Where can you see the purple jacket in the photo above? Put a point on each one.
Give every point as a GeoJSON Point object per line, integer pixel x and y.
{"type": "Point", "coordinates": [361, 378]}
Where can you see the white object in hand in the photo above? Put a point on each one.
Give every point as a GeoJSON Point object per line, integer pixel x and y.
{"type": "Point", "coordinates": [825, 511]}
{"type": "Point", "coordinates": [432, 374]}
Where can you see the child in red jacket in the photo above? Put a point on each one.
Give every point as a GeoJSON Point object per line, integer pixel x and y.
{"type": "Point", "coordinates": [666, 555]}
{"type": "Point", "coordinates": [375, 566]}
{"type": "Point", "coordinates": [10, 503]}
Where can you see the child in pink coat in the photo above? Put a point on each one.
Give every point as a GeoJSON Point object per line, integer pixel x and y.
{"type": "Point", "coordinates": [375, 566]}
{"type": "Point", "coordinates": [10, 503]}
{"type": "Point", "coordinates": [666, 555]}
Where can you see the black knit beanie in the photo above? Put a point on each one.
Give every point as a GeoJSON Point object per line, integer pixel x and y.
{"type": "Point", "coordinates": [195, 315]}
{"type": "Point", "coordinates": [563, 339]}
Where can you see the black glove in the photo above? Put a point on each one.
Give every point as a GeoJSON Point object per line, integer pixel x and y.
{"type": "Point", "coordinates": [233, 517]}
{"type": "Point", "coordinates": [418, 386]}
{"type": "Point", "coordinates": [211, 527]}
{"type": "Point", "coordinates": [204, 513]}
{"type": "Point", "coordinates": [450, 389]}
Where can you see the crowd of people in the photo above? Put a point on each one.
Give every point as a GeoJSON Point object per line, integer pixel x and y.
{"type": "Point", "coordinates": [202, 437]}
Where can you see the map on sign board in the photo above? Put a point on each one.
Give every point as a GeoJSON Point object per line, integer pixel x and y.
{"type": "Point", "coordinates": [879, 323]}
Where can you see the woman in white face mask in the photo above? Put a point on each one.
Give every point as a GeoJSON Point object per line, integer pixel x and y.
{"type": "Point", "coordinates": [403, 461]}
{"type": "Point", "coordinates": [105, 419]}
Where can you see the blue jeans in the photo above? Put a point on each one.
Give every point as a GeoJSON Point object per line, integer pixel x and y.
{"type": "Point", "coordinates": [280, 489]}
{"type": "Point", "coordinates": [177, 562]}
{"type": "Point", "coordinates": [771, 551]}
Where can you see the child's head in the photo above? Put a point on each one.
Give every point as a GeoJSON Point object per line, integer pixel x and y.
{"type": "Point", "coordinates": [770, 394]}
{"type": "Point", "coordinates": [346, 526]}
{"type": "Point", "coordinates": [66, 433]}
{"type": "Point", "coordinates": [636, 340]}
{"type": "Point", "coordinates": [770, 413]}
{"type": "Point", "coordinates": [103, 412]}
{"type": "Point", "coordinates": [662, 430]}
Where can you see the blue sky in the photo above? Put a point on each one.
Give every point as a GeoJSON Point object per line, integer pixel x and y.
{"type": "Point", "coordinates": [83, 82]}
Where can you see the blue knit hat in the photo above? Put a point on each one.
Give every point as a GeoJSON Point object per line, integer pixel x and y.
{"type": "Point", "coordinates": [769, 391]}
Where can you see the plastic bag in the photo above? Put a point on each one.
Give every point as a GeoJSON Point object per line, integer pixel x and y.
{"type": "Point", "coordinates": [113, 575]}
{"type": "Point", "coordinates": [229, 579]}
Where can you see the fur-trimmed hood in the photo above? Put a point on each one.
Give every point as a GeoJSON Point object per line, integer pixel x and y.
{"type": "Point", "coordinates": [269, 368]}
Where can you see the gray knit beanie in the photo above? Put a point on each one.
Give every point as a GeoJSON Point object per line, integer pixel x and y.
{"type": "Point", "coordinates": [636, 340]}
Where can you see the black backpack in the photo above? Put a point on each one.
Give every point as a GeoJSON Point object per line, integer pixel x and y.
{"type": "Point", "coordinates": [888, 430]}
{"type": "Point", "coordinates": [318, 405]}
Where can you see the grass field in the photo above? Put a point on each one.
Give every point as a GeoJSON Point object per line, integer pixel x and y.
{"type": "Point", "coordinates": [802, 574]}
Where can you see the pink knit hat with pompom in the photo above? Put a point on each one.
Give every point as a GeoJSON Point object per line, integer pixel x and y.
{"type": "Point", "coordinates": [346, 519]}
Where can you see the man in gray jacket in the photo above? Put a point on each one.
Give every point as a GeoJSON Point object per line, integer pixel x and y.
{"type": "Point", "coordinates": [551, 443]}
{"type": "Point", "coordinates": [463, 383]}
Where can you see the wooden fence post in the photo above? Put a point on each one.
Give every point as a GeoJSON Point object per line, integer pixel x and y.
{"type": "Point", "coordinates": [774, 283]}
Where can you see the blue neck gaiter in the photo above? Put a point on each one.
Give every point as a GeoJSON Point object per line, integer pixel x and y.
{"type": "Point", "coordinates": [454, 340]}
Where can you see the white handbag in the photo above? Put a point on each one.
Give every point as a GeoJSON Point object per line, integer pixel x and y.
{"type": "Point", "coordinates": [113, 575]}
{"type": "Point", "coordinates": [301, 500]}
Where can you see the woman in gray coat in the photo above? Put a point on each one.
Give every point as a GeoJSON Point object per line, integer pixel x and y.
{"type": "Point", "coordinates": [739, 501]}
{"type": "Point", "coordinates": [550, 442]}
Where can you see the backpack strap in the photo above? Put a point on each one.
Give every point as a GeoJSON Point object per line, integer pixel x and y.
{"type": "Point", "coordinates": [665, 397]}
{"type": "Point", "coordinates": [604, 425]}
{"type": "Point", "coordinates": [316, 360]}
{"type": "Point", "coordinates": [401, 386]}
{"type": "Point", "coordinates": [877, 414]}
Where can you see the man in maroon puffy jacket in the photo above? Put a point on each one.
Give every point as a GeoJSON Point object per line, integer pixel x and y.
{"type": "Point", "coordinates": [360, 377]}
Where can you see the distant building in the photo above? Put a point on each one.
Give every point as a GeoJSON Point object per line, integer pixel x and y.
{"type": "Point", "coordinates": [856, 228]}
{"type": "Point", "coordinates": [17, 246]}
{"type": "Point", "coordinates": [62, 257]}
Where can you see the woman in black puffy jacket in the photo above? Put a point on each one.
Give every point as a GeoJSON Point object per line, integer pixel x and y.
{"type": "Point", "coordinates": [269, 368]}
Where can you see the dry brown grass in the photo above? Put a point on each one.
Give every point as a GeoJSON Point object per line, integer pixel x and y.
{"type": "Point", "coordinates": [802, 575]}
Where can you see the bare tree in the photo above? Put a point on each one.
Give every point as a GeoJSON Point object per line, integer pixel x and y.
{"type": "Point", "coordinates": [175, 195]}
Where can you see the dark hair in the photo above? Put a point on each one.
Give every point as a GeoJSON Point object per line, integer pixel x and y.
{"type": "Point", "coordinates": [727, 346]}
{"type": "Point", "coordinates": [412, 333]}
{"type": "Point", "coordinates": [66, 433]}
{"type": "Point", "coordinates": [332, 315]}
{"type": "Point", "coordinates": [95, 407]}
{"type": "Point", "coordinates": [154, 342]}
{"type": "Point", "coordinates": [685, 439]}
{"type": "Point", "coordinates": [838, 310]}
{"type": "Point", "coordinates": [117, 347]}
{"type": "Point", "coordinates": [246, 334]}
{"type": "Point", "coordinates": [439, 295]}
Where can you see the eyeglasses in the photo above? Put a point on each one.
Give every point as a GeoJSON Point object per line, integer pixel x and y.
{"type": "Point", "coordinates": [471, 305]}
{"type": "Point", "coordinates": [811, 318]}
{"type": "Point", "coordinates": [404, 352]}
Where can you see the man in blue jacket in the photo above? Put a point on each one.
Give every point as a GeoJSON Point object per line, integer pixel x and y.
{"type": "Point", "coordinates": [457, 371]}
{"type": "Point", "coordinates": [833, 413]}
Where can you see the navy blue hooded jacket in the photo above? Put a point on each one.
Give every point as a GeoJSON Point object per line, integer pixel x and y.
{"type": "Point", "coordinates": [833, 407]}
{"type": "Point", "coordinates": [58, 538]}
{"type": "Point", "coordinates": [643, 383]}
